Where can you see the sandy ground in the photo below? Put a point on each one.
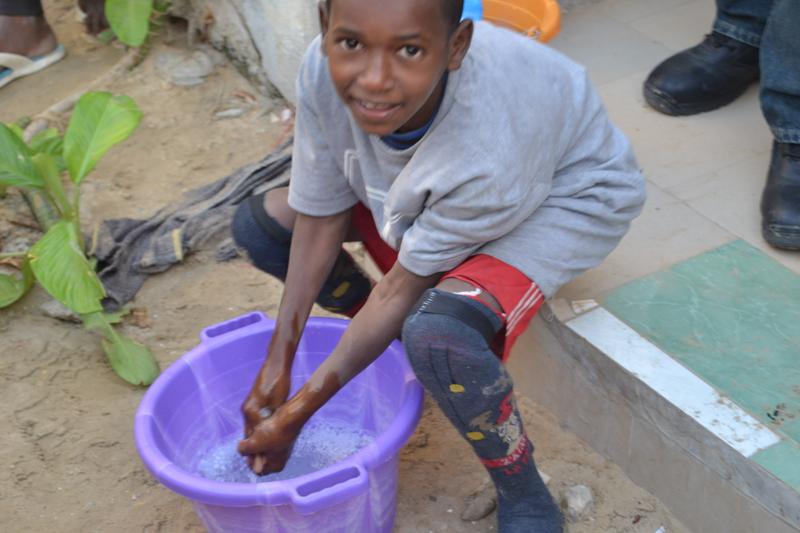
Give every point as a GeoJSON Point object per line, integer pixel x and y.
{"type": "Point", "coordinates": [67, 446]}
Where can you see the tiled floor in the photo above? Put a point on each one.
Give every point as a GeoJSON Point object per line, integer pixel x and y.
{"type": "Point", "coordinates": [705, 172]}
{"type": "Point", "coordinates": [694, 276]}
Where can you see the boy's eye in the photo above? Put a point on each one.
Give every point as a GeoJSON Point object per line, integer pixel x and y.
{"type": "Point", "coordinates": [350, 44]}
{"type": "Point", "coordinates": [410, 51]}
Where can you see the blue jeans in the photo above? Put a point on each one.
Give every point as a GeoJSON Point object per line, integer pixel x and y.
{"type": "Point", "coordinates": [773, 26]}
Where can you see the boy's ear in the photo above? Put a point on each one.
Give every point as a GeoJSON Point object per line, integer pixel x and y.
{"type": "Point", "coordinates": [459, 44]}
{"type": "Point", "coordinates": [324, 18]}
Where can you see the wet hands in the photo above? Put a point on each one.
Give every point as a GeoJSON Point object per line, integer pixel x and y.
{"type": "Point", "coordinates": [268, 394]}
{"type": "Point", "coordinates": [270, 442]}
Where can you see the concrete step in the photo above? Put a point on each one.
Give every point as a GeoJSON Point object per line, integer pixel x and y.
{"type": "Point", "coordinates": [669, 430]}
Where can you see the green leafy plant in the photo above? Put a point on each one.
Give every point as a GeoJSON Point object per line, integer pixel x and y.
{"type": "Point", "coordinates": [130, 19]}
{"type": "Point", "coordinates": [58, 260]}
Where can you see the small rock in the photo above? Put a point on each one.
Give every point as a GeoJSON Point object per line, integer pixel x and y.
{"type": "Point", "coordinates": [286, 115]}
{"type": "Point", "coordinates": [544, 477]}
{"type": "Point", "coordinates": [229, 113]}
{"type": "Point", "coordinates": [577, 502]}
{"type": "Point", "coordinates": [17, 245]}
{"type": "Point", "coordinates": [480, 504]}
{"type": "Point", "coordinates": [55, 309]}
{"type": "Point", "coordinates": [185, 68]}
{"type": "Point", "coordinates": [420, 440]}
{"type": "Point", "coordinates": [140, 317]}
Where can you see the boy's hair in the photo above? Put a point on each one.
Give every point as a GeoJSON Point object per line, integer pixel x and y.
{"type": "Point", "coordinates": [452, 10]}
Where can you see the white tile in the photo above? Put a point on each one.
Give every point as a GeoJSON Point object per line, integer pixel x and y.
{"type": "Point", "coordinates": [630, 10]}
{"type": "Point", "coordinates": [674, 382]}
{"type": "Point", "coordinates": [730, 197]}
{"type": "Point", "coordinates": [608, 48]}
{"type": "Point", "coordinates": [666, 232]}
{"type": "Point", "coordinates": [681, 27]}
{"type": "Point", "coordinates": [673, 150]}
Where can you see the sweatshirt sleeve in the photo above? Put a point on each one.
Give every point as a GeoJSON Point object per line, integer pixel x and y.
{"type": "Point", "coordinates": [318, 186]}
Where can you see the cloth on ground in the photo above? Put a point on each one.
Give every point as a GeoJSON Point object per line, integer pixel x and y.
{"type": "Point", "coordinates": [128, 250]}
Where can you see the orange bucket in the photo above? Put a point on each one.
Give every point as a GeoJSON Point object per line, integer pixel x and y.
{"type": "Point", "coordinates": [538, 19]}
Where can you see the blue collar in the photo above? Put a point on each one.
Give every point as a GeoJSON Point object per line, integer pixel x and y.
{"type": "Point", "coordinates": [402, 141]}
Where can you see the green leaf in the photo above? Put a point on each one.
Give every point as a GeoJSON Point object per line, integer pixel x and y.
{"type": "Point", "coordinates": [17, 130]}
{"type": "Point", "coordinates": [115, 317]}
{"type": "Point", "coordinates": [97, 321]}
{"type": "Point", "coordinates": [100, 121]}
{"type": "Point", "coordinates": [13, 287]}
{"type": "Point", "coordinates": [47, 166]}
{"type": "Point", "coordinates": [48, 141]}
{"type": "Point", "coordinates": [161, 6]}
{"type": "Point", "coordinates": [16, 168]}
{"type": "Point", "coordinates": [130, 360]}
{"type": "Point", "coordinates": [63, 270]}
{"type": "Point", "coordinates": [130, 19]}
{"type": "Point", "coordinates": [106, 36]}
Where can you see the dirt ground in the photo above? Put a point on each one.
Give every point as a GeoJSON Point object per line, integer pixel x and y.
{"type": "Point", "coordinates": [67, 448]}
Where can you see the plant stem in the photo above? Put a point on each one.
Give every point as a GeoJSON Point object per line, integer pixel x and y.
{"type": "Point", "coordinates": [44, 212]}
{"type": "Point", "coordinates": [75, 217]}
{"type": "Point", "coordinates": [9, 255]}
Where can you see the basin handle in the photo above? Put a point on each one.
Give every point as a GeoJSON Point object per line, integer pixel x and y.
{"type": "Point", "coordinates": [344, 482]}
{"type": "Point", "coordinates": [235, 324]}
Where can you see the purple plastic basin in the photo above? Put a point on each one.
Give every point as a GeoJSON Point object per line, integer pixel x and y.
{"type": "Point", "coordinates": [194, 405]}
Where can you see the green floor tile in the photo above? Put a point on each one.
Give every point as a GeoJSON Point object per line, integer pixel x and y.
{"type": "Point", "coordinates": [783, 460]}
{"type": "Point", "coordinates": [731, 315]}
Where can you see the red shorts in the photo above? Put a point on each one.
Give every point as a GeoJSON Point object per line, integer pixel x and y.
{"type": "Point", "coordinates": [518, 296]}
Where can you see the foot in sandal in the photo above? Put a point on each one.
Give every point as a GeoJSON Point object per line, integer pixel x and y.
{"type": "Point", "coordinates": [27, 45]}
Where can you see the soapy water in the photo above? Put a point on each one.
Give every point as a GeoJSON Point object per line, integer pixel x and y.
{"type": "Point", "coordinates": [320, 445]}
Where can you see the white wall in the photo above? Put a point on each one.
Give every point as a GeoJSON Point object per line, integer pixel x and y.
{"type": "Point", "coordinates": [266, 38]}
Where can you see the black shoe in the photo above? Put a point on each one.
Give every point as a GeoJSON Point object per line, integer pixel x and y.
{"type": "Point", "coordinates": [707, 76]}
{"type": "Point", "coordinates": [780, 203]}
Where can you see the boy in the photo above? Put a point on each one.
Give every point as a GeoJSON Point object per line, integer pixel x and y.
{"type": "Point", "coordinates": [489, 165]}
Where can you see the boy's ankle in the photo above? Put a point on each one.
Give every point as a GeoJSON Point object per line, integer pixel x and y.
{"type": "Point", "coordinates": [27, 36]}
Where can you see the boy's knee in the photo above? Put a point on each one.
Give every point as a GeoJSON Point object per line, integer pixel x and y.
{"type": "Point", "coordinates": [243, 227]}
{"type": "Point", "coordinates": [265, 241]}
{"type": "Point", "coordinates": [448, 321]}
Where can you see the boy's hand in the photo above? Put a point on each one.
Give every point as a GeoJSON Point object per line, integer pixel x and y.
{"type": "Point", "coordinates": [270, 443]}
{"type": "Point", "coordinates": [269, 392]}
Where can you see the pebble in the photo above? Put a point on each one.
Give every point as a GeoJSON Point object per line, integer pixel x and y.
{"type": "Point", "coordinates": [420, 440]}
{"type": "Point", "coordinates": [184, 68]}
{"type": "Point", "coordinates": [235, 112]}
{"type": "Point", "coordinates": [17, 245]}
{"type": "Point", "coordinates": [544, 477]}
{"type": "Point", "coordinates": [577, 502]}
{"type": "Point", "coordinates": [55, 309]}
{"type": "Point", "coordinates": [480, 503]}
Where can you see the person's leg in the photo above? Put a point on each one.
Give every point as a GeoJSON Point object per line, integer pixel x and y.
{"type": "Point", "coordinates": [743, 20]}
{"type": "Point", "coordinates": [447, 338]}
{"type": "Point", "coordinates": [262, 226]}
{"type": "Point", "coordinates": [718, 70]}
{"type": "Point", "coordinates": [24, 30]}
{"type": "Point", "coordinates": [780, 103]}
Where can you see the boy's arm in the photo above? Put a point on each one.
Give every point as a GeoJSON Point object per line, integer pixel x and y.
{"type": "Point", "coordinates": [367, 336]}
{"type": "Point", "coordinates": [316, 243]}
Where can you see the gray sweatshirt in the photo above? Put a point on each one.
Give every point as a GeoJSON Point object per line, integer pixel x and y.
{"type": "Point", "coordinates": [520, 163]}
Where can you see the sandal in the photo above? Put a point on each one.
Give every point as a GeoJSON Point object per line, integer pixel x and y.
{"type": "Point", "coordinates": [13, 66]}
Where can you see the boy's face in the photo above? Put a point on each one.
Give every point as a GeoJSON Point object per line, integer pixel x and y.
{"type": "Point", "coordinates": [387, 59]}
